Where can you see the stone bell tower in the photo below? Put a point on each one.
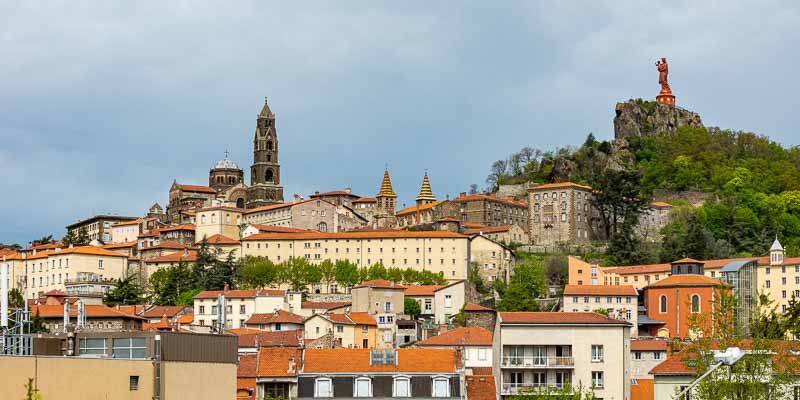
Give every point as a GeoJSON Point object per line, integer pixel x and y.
{"type": "Point", "coordinates": [265, 173]}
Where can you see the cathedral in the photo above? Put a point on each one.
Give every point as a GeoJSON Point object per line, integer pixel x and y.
{"type": "Point", "coordinates": [226, 184]}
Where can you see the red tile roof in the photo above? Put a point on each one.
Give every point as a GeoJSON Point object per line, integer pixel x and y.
{"type": "Point", "coordinates": [169, 311]}
{"type": "Point", "coordinates": [687, 261]}
{"type": "Point", "coordinates": [279, 361]}
{"type": "Point", "coordinates": [169, 244]}
{"type": "Point", "coordinates": [686, 280]}
{"type": "Point", "coordinates": [471, 336]}
{"type": "Point", "coordinates": [178, 256]}
{"type": "Point", "coordinates": [358, 361]}
{"type": "Point", "coordinates": [422, 290]}
{"type": "Point", "coordinates": [88, 250]}
{"type": "Point", "coordinates": [638, 269]}
{"type": "Point", "coordinates": [277, 229]}
{"type": "Point", "coordinates": [196, 188]}
{"type": "Point", "coordinates": [414, 209]}
{"type": "Point", "coordinates": [599, 290]}
{"type": "Point", "coordinates": [276, 206]}
{"type": "Point", "coordinates": [648, 345]}
{"type": "Point", "coordinates": [91, 310]}
{"type": "Point", "coordinates": [673, 365]}
{"type": "Point", "coordinates": [475, 307]}
{"type": "Point", "coordinates": [481, 387]}
{"type": "Point", "coordinates": [323, 305]}
{"type": "Point", "coordinates": [185, 319]}
{"type": "Point", "coordinates": [245, 388]}
{"type": "Point", "coordinates": [559, 186]}
{"type": "Point", "coordinates": [379, 284]}
{"type": "Point", "coordinates": [333, 193]}
{"type": "Point", "coordinates": [279, 317]}
{"type": "Point", "coordinates": [184, 227]}
{"type": "Point", "coordinates": [371, 234]}
{"type": "Point", "coordinates": [365, 200]}
{"type": "Point", "coordinates": [239, 294]}
{"type": "Point", "coordinates": [221, 240]}
{"type": "Point", "coordinates": [362, 318]}
{"type": "Point", "coordinates": [488, 229]}
{"type": "Point", "coordinates": [337, 318]}
{"type": "Point", "coordinates": [248, 365]}
{"type": "Point", "coordinates": [280, 338]}
{"type": "Point", "coordinates": [558, 318]}
{"type": "Point", "coordinates": [491, 197]}
{"type": "Point", "coordinates": [120, 245]}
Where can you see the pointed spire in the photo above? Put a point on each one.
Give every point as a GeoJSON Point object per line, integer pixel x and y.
{"type": "Point", "coordinates": [265, 111]}
{"type": "Point", "coordinates": [776, 245]}
{"type": "Point", "coordinates": [386, 186]}
{"type": "Point", "coordinates": [425, 192]}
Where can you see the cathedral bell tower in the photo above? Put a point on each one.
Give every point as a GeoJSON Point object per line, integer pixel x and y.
{"type": "Point", "coordinates": [265, 173]}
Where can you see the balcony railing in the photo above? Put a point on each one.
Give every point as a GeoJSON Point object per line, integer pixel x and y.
{"type": "Point", "coordinates": [537, 362]}
{"type": "Point", "coordinates": [511, 389]}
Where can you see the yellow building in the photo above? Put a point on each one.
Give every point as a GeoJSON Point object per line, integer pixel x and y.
{"type": "Point", "coordinates": [52, 269]}
{"type": "Point", "coordinates": [351, 330]}
{"type": "Point", "coordinates": [225, 221]}
{"type": "Point", "coordinates": [435, 251]}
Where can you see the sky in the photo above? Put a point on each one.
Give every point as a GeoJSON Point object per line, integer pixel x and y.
{"type": "Point", "coordinates": [104, 104]}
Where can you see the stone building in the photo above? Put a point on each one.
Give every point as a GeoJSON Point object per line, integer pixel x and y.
{"type": "Point", "coordinates": [225, 221]}
{"type": "Point", "coordinates": [311, 214]}
{"type": "Point", "coordinates": [495, 261]}
{"type": "Point", "coordinates": [386, 203]}
{"type": "Point", "coordinates": [561, 213]}
{"type": "Point", "coordinates": [98, 227]}
{"type": "Point", "coordinates": [183, 234]}
{"type": "Point", "coordinates": [224, 175]}
{"type": "Point", "coordinates": [503, 234]}
{"type": "Point", "coordinates": [653, 220]}
{"type": "Point", "coordinates": [490, 210]}
{"type": "Point", "coordinates": [338, 197]}
{"type": "Point", "coordinates": [265, 173]}
{"type": "Point", "coordinates": [187, 198]}
{"type": "Point", "coordinates": [366, 206]}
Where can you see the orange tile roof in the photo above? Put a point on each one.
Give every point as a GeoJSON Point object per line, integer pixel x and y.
{"type": "Point", "coordinates": [279, 317]}
{"type": "Point", "coordinates": [183, 227]}
{"type": "Point", "coordinates": [447, 219]}
{"type": "Point", "coordinates": [120, 245]}
{"type": "Point", "coordinates": [409, 360]}
{"type": "Point", "coordinates": [332, 193]}
{"type": "Point", "coordinates": [471, 336]}
{"type": "Point", "coordinates": [660, 204]}
{"type": "Point", "coordinates": [379, 284]}
{"type": "Point", "coordinates": [169, 244]}
{"type": "Point", "coordinates": [324, 305]}
{"type": "Point", "coordinates": [422, 290]}
{"type": "Point", "coordinates": [686, 280]}
{"type": "Point", "coordinates": [221, 240]}
{"type": "Point", "coordinates": [558, 318]}
{"type": "Point", "coordinates": [648, 345]}
{"type": "Point", "coordinates": [475, 307]}
{"type": "Point", "coordinates": [472, 225]}
{"type": "Point", "coordinates": [638, 269]}
{"type": "Point", "coordinates": [277, 229]}
{"type": "Point", "coordinates": [91, 310]}
{"type": "Point", "coordinates": [185, 319]}
{"type": "Point", "coordinates": [134, 222]}
{"type": "Point", "coordinates": [642, 390]}
{"type": "Point", "coordinates": [239, 294]}
{"type": "Point", "coordinates": [275, 361]}
{"type": "Point", "coordinates": [488, 229]}
{"type": "Point", "coordinates": [413, 209]}
{"type": "Point", "coordinates": [280, 338]}
{"type": "Point", "coordinates": [169, 311]}
{"type": "Point", "coordinates": [362, 318]}
{"type": "Point", "coordinates": [277, 206]}
{"type": "Point", "coordinates": [337, 318]}
{"type": "Point", "coordinates": [599, 290]}
{"type": "Point", "coordinates": [673, 365]}
{"type": "Point", "coordinates": [87, 250]}
{"type": "Point", "coordinates": [481, 387]}
{"type": "Point", "coordinates": [245, 388]}
{"type": "Point", "coordinates": [365, 200]}
{"type": "Point", "coordinates": [376, 234]}
{"type": "Point", "coordinates": [179, 256]}
{"type": "Point", "coordinates": [196, 188]}
{"type": "Point", "coordinates": [559, 185]}
{"type": "Point", "coordinates": [131, 309]}
{"type": "Point", "coordinates": [223, 208]}
{"type": "Point", "coordinates": [248, 365]}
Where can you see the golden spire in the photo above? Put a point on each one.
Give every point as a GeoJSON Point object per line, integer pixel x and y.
{"type": "Point", "coordinates": [425, 193]}
{"type": "Point", "coordinates": [386, 186]}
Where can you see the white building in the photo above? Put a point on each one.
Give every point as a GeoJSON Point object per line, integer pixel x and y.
{"type": "Point", "coordinates": [241, 305]}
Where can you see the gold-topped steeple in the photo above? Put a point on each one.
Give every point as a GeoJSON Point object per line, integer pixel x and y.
{"type": "Point", "coordinates": [386, 186]}
{"type": "Point", "coordinates": [425, 193]}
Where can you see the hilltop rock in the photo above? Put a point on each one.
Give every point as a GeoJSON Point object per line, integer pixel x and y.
{"type": "Point", "coordinates": [645, 118]}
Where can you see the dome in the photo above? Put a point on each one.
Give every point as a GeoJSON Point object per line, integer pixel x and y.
{"type": "Point", "coordinates": [225, 164]}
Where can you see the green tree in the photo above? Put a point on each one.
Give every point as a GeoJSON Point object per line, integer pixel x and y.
{"type": "Point", "coordinates": [15, 299]}
{"type": "Point", "coordinates": [346, 273]}
{"type": "Point", "coordinates": [377, 271]}
{"type": "Point", "coordinates": [166, 284]}
{"type": "Point", "coordinates": [37, 324]}
{"type": "Point", "coordinates": [411, 308]}
{"type": "Point", "coordinates": [601, 311]}
{"type": "Point", "coordinates": [619, 200]}
{"type": "Point", "coordinates": [394, 274]}
{"type": "Point", "coordinates": [296, 270]}
{"type": "Point", "coordinates": [69, 239]}
{"type": "Point", "coordinates": [766, 322]}
{"type": "Point", "coordinates": [31, 392]}
{"type": "Point", "coordinates": [44, 239]}
{"type": "Point", "coordinates": [526, 285]}
{"type": "Point", "coordinates": [257, 272]}
{"type": "Point", "coordinates": [410, 276]}
{"type": "Point", "coordinates": [127, 292]}
{"type": "Point", "coordinates": [83, 237]}
{"type": "Point", "coordinates": [474, 277]}
{"type": "Point", "coordinates": [313, 274]}
{"type": "Point", "coordinates": [186, 298]}
{"type": "Point", "coordinates": [328, 271]}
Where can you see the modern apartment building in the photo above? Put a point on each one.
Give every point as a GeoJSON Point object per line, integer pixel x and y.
{"type": "Point", "coordinates": [618, 302]}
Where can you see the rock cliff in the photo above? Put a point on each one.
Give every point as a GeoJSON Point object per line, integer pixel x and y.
{"type": "Point", "coordinates": [644, 118]}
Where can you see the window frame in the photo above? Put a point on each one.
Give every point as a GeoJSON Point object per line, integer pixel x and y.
{"type": "Point", "coordinates": [355, 386]}
{"type": "Point", "coordinates": [329, 381]}
{"type": "Point", "coordinates": [394, 385]}
{"type": "Point", "coordinates": [433, 386]}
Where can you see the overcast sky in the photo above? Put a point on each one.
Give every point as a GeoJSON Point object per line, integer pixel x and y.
{"type": "Point", "coordinates": [103, 104]}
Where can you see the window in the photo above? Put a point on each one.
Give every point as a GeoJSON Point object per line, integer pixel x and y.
{"type": "Point", "coordinates": [441, 387]}
{"type": "Point", "coordinates": [401, 387]}
{"type": "Point", "coordinates": [201, 310]}
{"type": "Point", "coordinates": [387, 306]}
{"type": "Point", "coordinates": [637, 355]}
{"type": "Point", "coordinates": [93, 346]}
{"type": "Point", "coordinates": [448, 301]}
{"type": "Point", "coordinates": [323, 388]}
{"type": "Point", "coordinates": [696, 303]}
{"type": "Point", "coordinates": [362, 387]}
{"type": "Point", "coordinates": [482, 354]}
{"type": "Point", "coordinates": [428, 305]}
{"type": "Point", "coordinates": [129, 347]}
{"type": "Point", "coordinates": [242, 309]}
{"type": "Point", "coordinates": [364, 329]}
{"type": "Point", "coordinates": [658, 355]}
{"type": "Point", "coordinates": [597, 379]}
{"type": "Point", "coordinates": [597, 352]}
{"type": "Point", "coordinates": [662, 304]}
{"type": "Point", "coordinates": [133, 383]}
{"type": "Point", "coordinates": [339, 328]}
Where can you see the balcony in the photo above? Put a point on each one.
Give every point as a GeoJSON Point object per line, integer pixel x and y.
{"type": "Point", "coordinates": [537, 362]}
{"type": "Point", "coordinates": [512, 389]}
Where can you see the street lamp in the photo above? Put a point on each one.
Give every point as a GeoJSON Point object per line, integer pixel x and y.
{"type": "Point", "coordinates": [728, 357]}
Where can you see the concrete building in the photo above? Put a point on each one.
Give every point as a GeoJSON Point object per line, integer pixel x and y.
{"type": "Point", "coordinates": [225, 221]}
{"type": "Point", "coordinates": [545, 351]}
{"type": "Point", "coordinates": [278, 320]}
{"type": "Point", "coordinates": [646, 354]}
{"type": "Point", "coordinates": [438, 302]}
{"type": "Point", "coordinates": [351, 373]}
{"type": "Point", "coordinates": [494, 260]}
{"type": "Point", "coordinates": [435, 251]}
{"type": "Point", "coordinates": [619, 302]}
{"type": "Point", "coordinates": [50, 270]}
{"type": "Point", "coordinates": [98, 227]}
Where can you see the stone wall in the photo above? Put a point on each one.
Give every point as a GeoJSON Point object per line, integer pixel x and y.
{"type": "Point", "coordinates": [519, 191]}
{"type": "Point", "coordinates": [481, 319]}
{"type": "Point", "coordinates": [329, 297]}
{"type": "Point", "coordinates": [696, 199]}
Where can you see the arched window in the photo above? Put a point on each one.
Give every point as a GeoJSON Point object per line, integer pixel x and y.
{"type": "Point", "coordinates": [269, 157]}
{"type": "Point", "coordinates": [268, 175]}
{"type": "Point", "coordinates": [269, 145]}
{"type": "Point", "coordinates": [323, 227]}
{"type": "Point", "coordinates": [231, 180]}
{"type": "Point", "coordinates": [202, 219]}
{"type": "Point", "coordinates": [695, 303]}
{"type": "Point", "coordinates": [240, 203]}
{"type": "Point", "coordinates": [362, 387]}
{"type": "Point", "coordinates": [401, 387]}
{"type": "Point", "coordinates": [662, 304]}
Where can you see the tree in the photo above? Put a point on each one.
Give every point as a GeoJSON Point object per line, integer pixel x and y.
{"type": "Point", "coordinates": [313, 274]}
{"type": "Point", "coordinates": [186, 298]}
{"type": "Point", "coordinates": [346, 273]}
{"type": "Point", "coordinates": [69, 239]}
{"type": "Point", "coordinates": [618, 199]}
{"type": "Point", "coordinates": [37, 324]}
{"type": "Point", "coordinates": [376, 271]}
{"type": "Point", "coordinates": [496, 175]}
{"type": "Point", "coordinates": [127, 292]}
{"type": "Point", "coordinates": [31, 392]}
{"type": "Point", "coordinates": [411, 308]}
{"type": "Point", "coordinates": [473, 188]}
{"type": "Point", "coordinates": [15, 299]}
{"type": "Point", "coordinates": [526, 285]}
{"type": "Point", "coordinates": [474, 277]}
{"type": "Point", "coordinates": [166, 284]}
{"type": "Point", "coordinates": [601, 311]}
{"type": "Point", "coordinates": [766, 322]}
{"type": "Point", "coordinates": [83, 237]}
{"type": "Point", "coordinates": [257, 272]}
{"type": "Point", "coordinates": [44, 239]}
{"type": "Point", "coordinates": [296, 273]}
{"type": "Point", "coordinates": [328, 271]}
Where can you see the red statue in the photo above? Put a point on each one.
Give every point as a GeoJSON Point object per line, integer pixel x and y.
{"type": "Point", "coordinates": [665, 97]}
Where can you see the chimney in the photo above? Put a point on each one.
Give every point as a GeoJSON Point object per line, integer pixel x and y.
{"type": "Point", "coordinates": [226, 287]}
{"type": "Point", "coordinates": [462, 194]}
{"type": "Point", "coordinates": [297, 198]}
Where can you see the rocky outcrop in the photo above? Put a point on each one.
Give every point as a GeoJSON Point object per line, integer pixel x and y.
{"type": "Point", "coordinates": [645, 118]}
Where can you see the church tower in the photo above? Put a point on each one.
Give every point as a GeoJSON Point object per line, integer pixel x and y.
{"type": "Point", "coordinates": [386, 198]}
{"type": "Point", "coordinates": [425, 194]}
{"type": "Point", "coordinates": [265, 173]}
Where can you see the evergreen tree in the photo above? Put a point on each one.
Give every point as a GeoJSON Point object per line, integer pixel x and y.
{"type": "Point", "coordinates": [127, 292]}
{"type": "Point", "coordinates": [166, 284]}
